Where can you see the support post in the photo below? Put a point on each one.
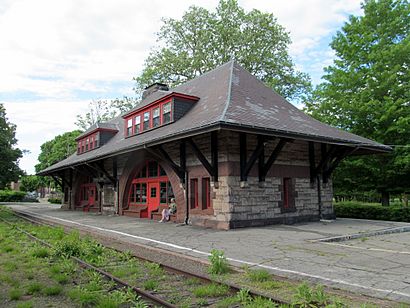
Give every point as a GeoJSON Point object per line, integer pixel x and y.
{"type": "Point", "coordinates": [261, 160]}
{"type": "Point", "coordinates": [182, 162]}
{"type": "Point", "coordinates": [214, 156]}
{"type": "Point", "coordinates": [242, 155]}
{"type": "Point", "coordinates": [312, 162]}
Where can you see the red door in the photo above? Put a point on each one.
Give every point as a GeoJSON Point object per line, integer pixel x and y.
{"type": "Point", "coordinates": [91, 195]}
{"type": "Point", "coordinates": [153, 197]}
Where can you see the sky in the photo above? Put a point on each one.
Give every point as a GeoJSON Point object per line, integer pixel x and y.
{"type": "Point", "coordinates": [57, 56]}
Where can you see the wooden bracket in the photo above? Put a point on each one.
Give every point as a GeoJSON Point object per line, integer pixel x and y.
{"type": "Point", "coordinates": [58, 181]}
{"type": "Point", "coordinates": [179, 170]}
{"type": "Point", "coordinates": [333, 164]}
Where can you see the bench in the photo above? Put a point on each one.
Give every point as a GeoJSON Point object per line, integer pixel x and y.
{"type": "Point", "coordinates": [157, 214]}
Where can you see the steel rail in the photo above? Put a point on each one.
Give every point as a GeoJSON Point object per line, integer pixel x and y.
{"type": "Point", "coordinates": [233, 287]}
{"type": "Point", "coordinates": [142, 293]}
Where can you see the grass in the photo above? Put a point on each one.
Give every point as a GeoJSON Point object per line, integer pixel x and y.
{"type": "Point", "coordinates": [34, 287]}
{"type": "Point", "coordinates": [52, 290]}
{"type": "Point", "coordinates": [40, 252]}
{"type": "Point", "coordinates": [15, 294]}
{"type": "Point", "coordinates": [150, 285]}
{"type": "Point", "coordinates": [219, 265]}
{"type": "Point", "coordinates": [259, 275]}
{"type": "Point", "coordinates": [211, 290]}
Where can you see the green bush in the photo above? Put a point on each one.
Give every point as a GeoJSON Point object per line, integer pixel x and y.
{"type": "Point", "coordinates": [360, 210]}
{"type": "Point", "coordinates": [11, 196]}
{"type": "Point", "coordinates": [54, 200]}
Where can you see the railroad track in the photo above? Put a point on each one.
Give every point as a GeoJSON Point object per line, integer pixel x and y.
{"type": "Point", "coordinates": [144, 294]}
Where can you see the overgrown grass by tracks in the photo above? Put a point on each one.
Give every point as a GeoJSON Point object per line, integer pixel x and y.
{"type": "Point", "coordinates": [171, 286]}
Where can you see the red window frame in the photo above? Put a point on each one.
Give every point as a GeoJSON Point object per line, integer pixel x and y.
{"type": "Point", "coordinates": [194, 193]}
{"type": "Point", "coordinates": [151, 119]}
{"type": "Point", "coordinates": [286, 192]}
{"type": "Point", "coordinates": [206, 193]}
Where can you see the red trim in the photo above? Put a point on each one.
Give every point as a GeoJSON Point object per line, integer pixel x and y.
{"type": "Point", "coordinates": [161, 100]}
{"type": "Point", "coordinates": [98, 129]}
{"type": "Point", "coordinates": [286, 192]}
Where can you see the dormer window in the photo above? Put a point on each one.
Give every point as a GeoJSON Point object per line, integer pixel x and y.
{"type": "Point", "coordinates": [86, 144]}
{"type": "Point", "coordinates": [166, 113]}
{"type": "Point", "coordinates": [137, 125]}
{"type": "Point", "coordinates": [129, 127]}
{"type": "Point", "coordinates": [155, 117]}
{"type": "Point", "coordinates": [157, 113]}
{"type": "Point", "coordinates": [96, 141]}
{"type": "Point", "coordinates": [146, 120]}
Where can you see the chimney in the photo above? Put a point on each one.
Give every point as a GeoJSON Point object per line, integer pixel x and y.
{"type": "Point", "coordinates": [154, 88]}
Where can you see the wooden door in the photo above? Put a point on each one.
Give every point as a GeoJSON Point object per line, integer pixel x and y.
{"type": "Point", "coordinates": [153, 197]}
{"type": "Point", "coordinates": [91, 195]}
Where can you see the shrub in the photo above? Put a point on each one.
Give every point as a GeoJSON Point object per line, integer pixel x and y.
{"type": "Point", "coordinates": [52, 290]}
{"type": "Point", "coordinates": [54, 200]}
{"type": "Point", "coordinates": [219, 264]}
{"type": "Point", "coordinates": [15, 294]}
{"type": "Point", "coordinates": [11, 196]}
{"type": "Point", "coordinates": [377, 212]}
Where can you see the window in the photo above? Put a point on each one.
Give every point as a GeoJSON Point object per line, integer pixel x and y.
{"type": "Point", "coordinates": [78, 147]}
{"type": "Point", "coordinates": [194, 193]}
{"type": "Point", "coordinates": [137, 124]}
{"type": "Point", "coordinates": [166, 113]}
{"type": "Point", "coordinates": [155, 117]}
{"type": "Point", "coordinates": [288, 193]}
{"type": "Point", "coordinates": [86, 144]}
{"type": "Point", "coordinates": [162, 171]}
{"type": "Point", "coordinates": [129, 127]}
{"type": "Point", "coordinates": [138, 193]}
{"type": "Point", "coordinates": [152, 169]}
{"type": "Point", "coordinates": [163, 192]}
{"type": "Point", "coordinates": [96, 141]}
{"type": "Point", "coordinates": [91, 142]}
{"type": "Point", "coordinates": [206, 193]}
{"type": "Point", "coordinates": [82, 146]}
{"type": "Point", "coordinates": [146, 120]}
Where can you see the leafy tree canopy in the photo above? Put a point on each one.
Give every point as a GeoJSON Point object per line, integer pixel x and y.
{"type": "Point", "coordinates": [9, 154]}
{"type": "Point", "coordinates": [57, 149]}
{"type": "Point", "coordinates": [104, 110]}
{"type": "Point", "coordinates": [367, 91]}
{"type": "Point", "coordinates": [203, 40]}
{"type": "Point", "coordinates": [30, 183]}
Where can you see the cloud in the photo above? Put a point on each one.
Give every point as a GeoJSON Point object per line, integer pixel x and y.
{"type": "Point", "coordinates": [56, 56]}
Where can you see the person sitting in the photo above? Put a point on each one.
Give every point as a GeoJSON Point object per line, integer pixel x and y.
{"type": "Point", "coordinates": [166, 213]}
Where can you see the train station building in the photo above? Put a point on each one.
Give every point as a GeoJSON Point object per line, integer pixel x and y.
{"type": "Point", "coordinates": [232, 153]}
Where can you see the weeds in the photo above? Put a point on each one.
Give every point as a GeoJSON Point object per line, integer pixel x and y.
{"type": "Point", "coordinates": [219, 264]}
{"type": "Point", "coordinates": [259, 275]}
{"type": "Point", "coordinates": [211, 290]}
{"type": "Point", "coordinates": [52, 290]}
{"type": "Point", "coordinates": [34, 287]}
{"type": "Point", "coordinates": [15, 294]}
{"type": "Point", "coordinates": [150, 285]}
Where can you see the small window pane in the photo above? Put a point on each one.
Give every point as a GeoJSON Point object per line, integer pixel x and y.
{"type": "Point", "coordinates": [129, 127]}
{"type": "Point", "coordinates": [137, 125]}
{"type": "Point", "coordinates": [155, 117]}
{"type": "Point", "coordinates": [152, 169]}
{"type": "Point", "coordinates": [146, 120]}
{"type": "Point", "coordinates": [163, 192]}
{"type": "Point", "coordinates": [133, 193]}
{"type": "Point", "coordinates": [143, 192]}
{"type": "Point", "coordinates": [153, 192]}
{"type": "Point", "coordinates": [166, 113]}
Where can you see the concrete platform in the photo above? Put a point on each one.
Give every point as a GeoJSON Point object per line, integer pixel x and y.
{"type": "Point", "coordinates": [378, 266]}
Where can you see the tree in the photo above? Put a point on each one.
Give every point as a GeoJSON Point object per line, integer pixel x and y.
{"type": "Point", "coordinates": [57, 149]}
{"type": "Point", "coordinates": [367, 91]}
{"type": "Point", "coordinates": [9, 154]}
{"type": "Point", "coordinates": [30, 183]}
{"type": "Point", "coordinates": [104, 110]}
{"type": "Point", "coordinates": [202, 40]}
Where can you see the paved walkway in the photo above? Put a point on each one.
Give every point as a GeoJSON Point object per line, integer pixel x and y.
{"type": "Point", "coordinates": [378, 266]}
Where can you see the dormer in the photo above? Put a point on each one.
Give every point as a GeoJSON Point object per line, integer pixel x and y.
{"type": "Point", "coordinates": [162, 111]}
{"type": "Point", "coordinates": [94, 137]}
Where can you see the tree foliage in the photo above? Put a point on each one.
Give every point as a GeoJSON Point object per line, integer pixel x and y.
{"type": "Point", "coordinates": [367, 91]}
{"type": "Point", "coordinates": [57, 149]}
{"type": "Point", "coordinates": [30, 183]}
{"type": "Point", "coordinates": [104, 110]}
{"type": "Point", "coordinates": [203, 40]}
{"type": "Point", "coordinates": [9, 154]}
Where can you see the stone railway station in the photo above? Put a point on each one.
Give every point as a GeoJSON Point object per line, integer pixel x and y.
{"type": "Point", "coordinates": [232, 153]}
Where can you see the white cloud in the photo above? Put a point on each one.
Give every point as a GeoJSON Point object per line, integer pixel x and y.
{"type": "Point", "coordinates": [57, 49]}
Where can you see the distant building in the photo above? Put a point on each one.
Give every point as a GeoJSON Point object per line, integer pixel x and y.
{"type": "Point", "coordinates": [231, 151]}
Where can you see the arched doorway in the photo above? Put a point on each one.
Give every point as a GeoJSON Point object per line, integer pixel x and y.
{"type": "Point", "coordinates": [149, 191]}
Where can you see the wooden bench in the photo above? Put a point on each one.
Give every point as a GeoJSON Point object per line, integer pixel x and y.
{"type": "Point", "coordinates": [157, 214]}
{"type": "Point", "coordinates": [140, 211]}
